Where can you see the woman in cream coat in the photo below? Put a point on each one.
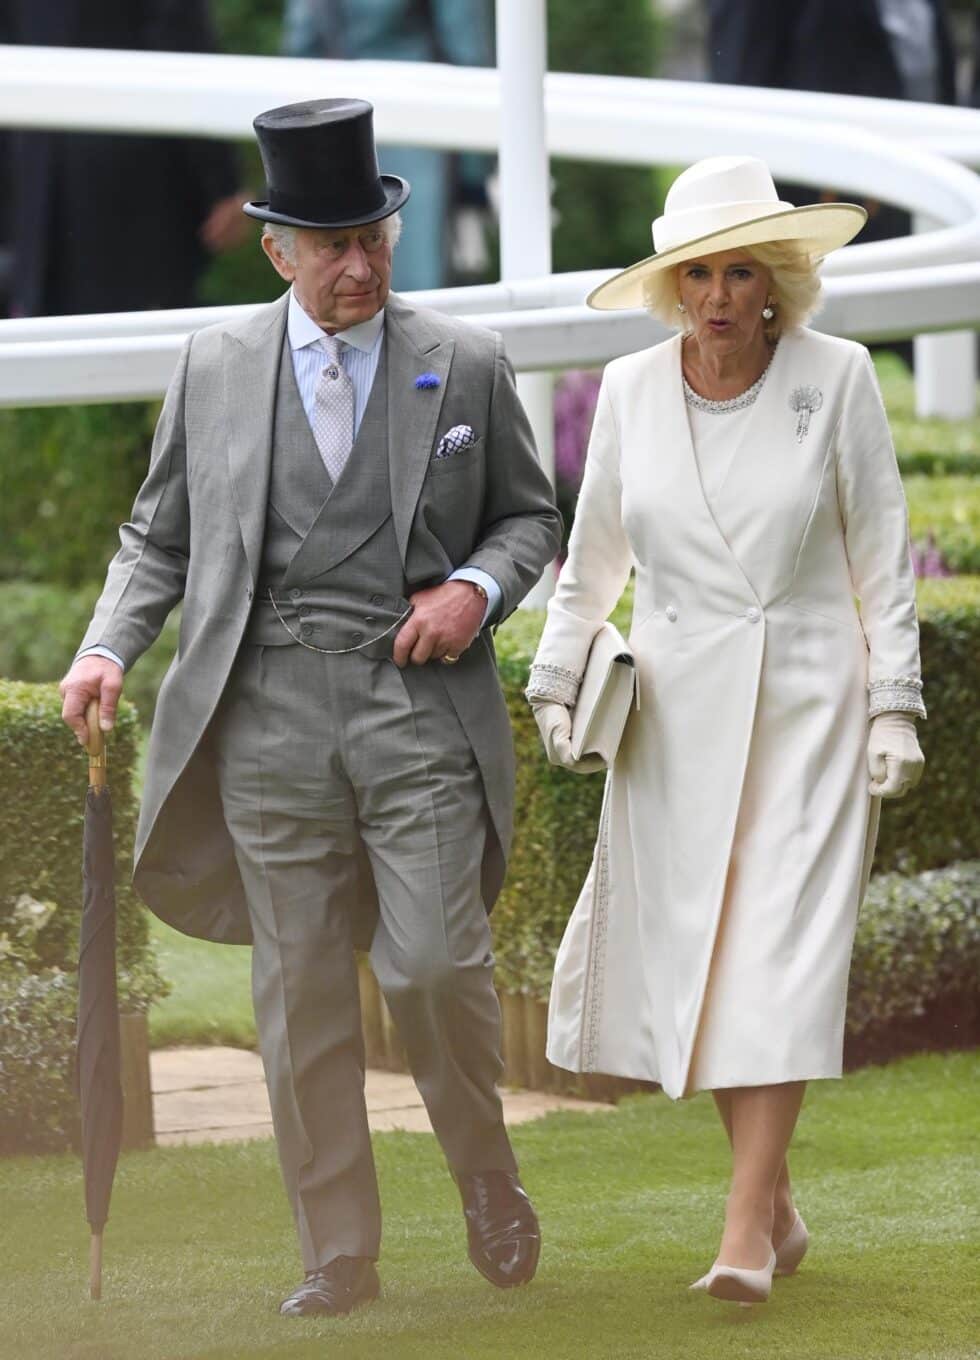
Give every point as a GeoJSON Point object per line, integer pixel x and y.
{"type": "Point", "coordinates": [744, 470]}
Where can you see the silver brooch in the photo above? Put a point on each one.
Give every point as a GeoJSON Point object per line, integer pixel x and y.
{"type": "Point", "coordinates": [805, 401]}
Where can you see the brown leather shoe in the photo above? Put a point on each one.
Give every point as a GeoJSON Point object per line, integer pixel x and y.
{"type": "Point", "coordinates": [501, 1227]}
{"type": "Point", "coordinates": [335, 1289]}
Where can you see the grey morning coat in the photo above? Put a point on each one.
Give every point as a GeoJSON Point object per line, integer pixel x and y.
{"type": "Point", "coordinates": [196, 535]}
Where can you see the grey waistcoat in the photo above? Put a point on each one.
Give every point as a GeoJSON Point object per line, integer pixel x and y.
{"type": "Point", "coordinates": [330, 554]}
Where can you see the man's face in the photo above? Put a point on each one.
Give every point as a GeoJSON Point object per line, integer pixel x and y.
{"type": "Point", "coordinates": [340, 277]}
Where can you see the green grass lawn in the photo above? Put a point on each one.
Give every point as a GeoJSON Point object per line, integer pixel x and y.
{"type": "Point", "coordinates": [200, 1249]}
{"type": "Point", "coordinates": [210, 1000]}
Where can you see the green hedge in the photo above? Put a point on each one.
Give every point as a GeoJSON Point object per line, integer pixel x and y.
{"type": "Point", "coordinates": [37, 1061]}
{"type": "Point", "coordinates": [947, 510]}
{"type": "Point", "coordinates": [42, 625]}
{"type": "Point", "coordinates": [556, 813]}
{"type": "Point", "coordinates": [916, 962]}
{"type": "Point", "coordinates": [926, 446]}
{"type": "Point", "coordinates": [45, 774]}
{"type": "Point", "coordinates": [68, 477]}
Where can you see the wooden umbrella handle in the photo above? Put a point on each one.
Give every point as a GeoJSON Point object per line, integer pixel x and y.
{"type": "Point", "coordinates": [97, 770]}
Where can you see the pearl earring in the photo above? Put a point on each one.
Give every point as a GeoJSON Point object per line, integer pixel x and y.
{"type": "Point", "coordinates": [768, 312]}
{"type": "Point", "coordinates": [681, 307]}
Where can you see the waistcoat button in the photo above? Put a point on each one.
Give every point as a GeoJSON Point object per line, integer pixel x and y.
{"type": "Point", "coordinates": [671, 613]}
{"type": "Point", "coordinates": [356, 637]}
{"type": "Point", "coordinates": [377, 599]}
{"type": "Point", "coordinates": [295, 593]}
{"type": "Point", "coordinates": [752, 614]}
{"type": "Point", "coordinates": [306, 629]}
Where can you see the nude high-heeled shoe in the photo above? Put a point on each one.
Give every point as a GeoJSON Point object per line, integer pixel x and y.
{"type": "Point", "coordinates": [734, 1284]}
{"type": "Point", "coordinates": [792, 1248]}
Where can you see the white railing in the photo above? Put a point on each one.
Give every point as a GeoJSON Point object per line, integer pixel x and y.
{"type": "Point", "coordinates": [130, 356]}
{"type": "Point", "coordinates": [911, 154]}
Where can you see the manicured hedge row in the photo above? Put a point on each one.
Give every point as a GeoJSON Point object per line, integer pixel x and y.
{"type": "Point", "coordinates": [557, 812]}
{"type": "Point", "coordinates": [946, 510]}
{"type": "Point", "coordinates": [45, 774]}
{"type": "Point", "coordinates": [916, 964]}
{"type": "Point", "coordinates": [941, 463]}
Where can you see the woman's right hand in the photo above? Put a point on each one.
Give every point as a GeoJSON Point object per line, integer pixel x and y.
{"type": "Point", "coordinates": [555, 725]}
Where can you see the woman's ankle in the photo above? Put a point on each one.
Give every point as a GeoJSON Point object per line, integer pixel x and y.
{"type": "Point", "coordinates": [783, 1216]}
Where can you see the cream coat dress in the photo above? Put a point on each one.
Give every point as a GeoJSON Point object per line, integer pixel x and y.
{"type": "Point", "coordinates": [711, 942]}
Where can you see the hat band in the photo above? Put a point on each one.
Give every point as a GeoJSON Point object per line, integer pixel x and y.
{"type": "Point", "coordinates": [358, 201]}
{"type": "Point", "coordinates": [677, 228]}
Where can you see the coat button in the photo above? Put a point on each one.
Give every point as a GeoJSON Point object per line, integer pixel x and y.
{"type": "Point", "coordinates": [671, 613]}
{"type": "Point", "coordinates": [752, 614]}
{"type": "Point", "coordinates": [303, 611]}
{"type": "Point", "coordinates": [306, 629]}
{"type": "Point", "coordinates": [295, 593]}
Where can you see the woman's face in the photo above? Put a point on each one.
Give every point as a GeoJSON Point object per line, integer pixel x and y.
{"type": "Point", "coordinates": [723, 296]}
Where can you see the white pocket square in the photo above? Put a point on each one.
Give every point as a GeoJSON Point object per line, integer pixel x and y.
{"type": "Point", "coordinates": [454, 441]}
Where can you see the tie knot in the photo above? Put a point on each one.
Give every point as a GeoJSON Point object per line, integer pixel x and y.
{"type": "Point", "coordinates": [331, 347]}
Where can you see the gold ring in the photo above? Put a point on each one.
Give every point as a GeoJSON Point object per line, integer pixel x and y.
{"type": "Point", "coordinates": [448, 660]}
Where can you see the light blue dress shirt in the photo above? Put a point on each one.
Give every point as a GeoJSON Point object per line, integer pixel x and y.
{"type": "Point", "coordinates": [359, 354]}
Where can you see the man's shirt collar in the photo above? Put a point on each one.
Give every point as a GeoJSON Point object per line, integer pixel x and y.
{"type": "Point", "coordinates": [303, 330]}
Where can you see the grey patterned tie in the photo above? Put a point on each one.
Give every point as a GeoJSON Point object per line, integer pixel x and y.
{"type": "Point", "coordinates": [333, 411]}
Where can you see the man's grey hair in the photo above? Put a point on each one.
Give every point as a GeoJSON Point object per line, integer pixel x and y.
{"type": "Point", "coordinates": [284, 238]}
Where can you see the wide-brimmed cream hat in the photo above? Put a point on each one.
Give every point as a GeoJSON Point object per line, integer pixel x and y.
{"type": "Point", "coordinates": [720, 204]}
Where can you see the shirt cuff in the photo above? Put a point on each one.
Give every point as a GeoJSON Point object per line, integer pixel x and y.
{"type": "Point", "coordinates": [481, 578]}
{"type": "Point", "coordinates": [107, 652]}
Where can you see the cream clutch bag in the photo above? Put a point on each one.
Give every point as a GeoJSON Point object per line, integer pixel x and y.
{"type": "Point", "coordinates": [606, 695]}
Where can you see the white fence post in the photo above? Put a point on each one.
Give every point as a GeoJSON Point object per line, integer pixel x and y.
{"type": "Point", "coordinates": [945, 365]}
{"type": "Point", "coordinates": [946, 375]}
{"type": "Point", "coordinates": [525, 200]}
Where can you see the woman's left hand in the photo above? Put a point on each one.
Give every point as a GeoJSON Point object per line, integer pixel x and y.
{"type": "Point", "coordinates": [895, 762]}
{"type": "Point", "coordinates": [555, 725]}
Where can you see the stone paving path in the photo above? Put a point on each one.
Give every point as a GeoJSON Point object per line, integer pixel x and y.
{"type": "Point", "coordinates": [218, 1095]}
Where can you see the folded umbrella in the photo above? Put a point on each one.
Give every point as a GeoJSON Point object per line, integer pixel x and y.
{"type": "Point", "coordinates": [97, 1045]}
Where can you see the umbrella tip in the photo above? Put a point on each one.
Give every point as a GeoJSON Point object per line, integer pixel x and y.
{"type": "Point", "coordinates": [95, 1267]}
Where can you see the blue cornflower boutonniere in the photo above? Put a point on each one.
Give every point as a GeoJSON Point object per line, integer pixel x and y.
{"type": "Point", "coordinates": [425, 381]}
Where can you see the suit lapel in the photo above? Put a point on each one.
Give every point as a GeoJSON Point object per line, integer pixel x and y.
{"type": "Point", "coordinates": [251, 372]}
{"type": "Point", "coordinates": [413, 413]}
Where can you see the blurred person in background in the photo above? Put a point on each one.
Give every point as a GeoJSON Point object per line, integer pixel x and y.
{"type": "Point", "coordinates": [888, 49]}
{"type": "Point", "coordinates": [444, 187]}
{"type": "Point", "coordinates": [106, 223]}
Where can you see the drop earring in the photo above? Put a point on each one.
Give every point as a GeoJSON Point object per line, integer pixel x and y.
{"type": "Point", "coordinates": [768, 312]}
{"type": "Point", "coordinates": [681, 307]}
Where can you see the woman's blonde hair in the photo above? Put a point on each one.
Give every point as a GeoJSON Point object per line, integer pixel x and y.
{"type": "Point", "coordinates": [796, 288]}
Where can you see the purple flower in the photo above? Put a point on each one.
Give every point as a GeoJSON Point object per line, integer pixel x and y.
{"type": "Point", "coordinates": [927, 558]}
{"type": "Point", "coordinates": [425, 381]}
{"type": "Point", "coordinates": [575, 399]}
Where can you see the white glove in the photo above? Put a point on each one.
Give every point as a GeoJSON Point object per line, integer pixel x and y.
{"type": "Point", "coordinates": [895, 762]}
{"type": "Point", "coordinates": [555, 725]}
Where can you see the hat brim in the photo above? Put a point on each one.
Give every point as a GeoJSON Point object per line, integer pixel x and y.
{"type": "Point", "coordinates": [396, 190]}
{"type": "Point", "coordinates": [820, 227]}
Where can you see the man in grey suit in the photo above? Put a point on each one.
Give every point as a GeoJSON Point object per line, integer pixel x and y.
{"type": "Point", "coordinates": [344, 493]}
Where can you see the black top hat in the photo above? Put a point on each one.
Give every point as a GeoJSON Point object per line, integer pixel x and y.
{"type": "Point", "coordinates": [321, 166]}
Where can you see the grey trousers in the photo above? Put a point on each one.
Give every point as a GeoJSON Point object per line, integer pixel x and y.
{"type": "Point", "coordinates": [321, 759]}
